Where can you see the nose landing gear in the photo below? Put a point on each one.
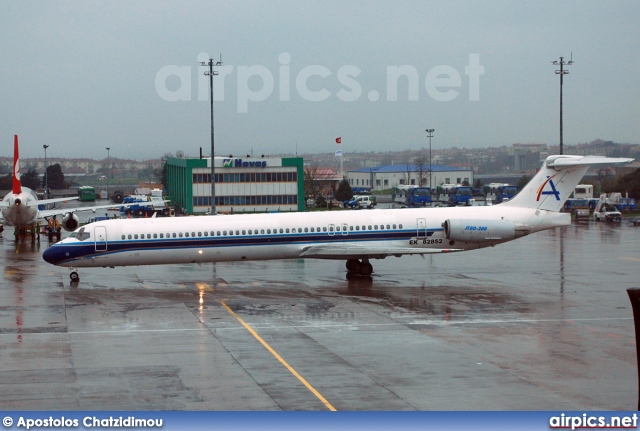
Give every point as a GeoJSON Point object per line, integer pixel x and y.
{"type": "Point", "coordinates": [73, 274]}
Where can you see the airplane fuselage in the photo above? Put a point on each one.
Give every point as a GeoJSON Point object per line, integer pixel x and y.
{"type": "Point", "coordinates": [292, 235]}
{"type": "Point", "coordinates": [21, 209]}
{"type": "Point", "coordinates": [354, 236]}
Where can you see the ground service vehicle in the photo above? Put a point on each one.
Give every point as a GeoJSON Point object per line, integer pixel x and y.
{"type": "Point", "coordinates": [608, 213]}
{"type": "Point", "coordinates": [460, 195]}
{"type": "Point", "coordinates": [418, 197]}
{"type": "Point", "coordinates": [399, 193]}
{"type": "Point", "coordinates": [361, 202]}
{"type": "Point", "coordinates": [86, 193]}
{"type": "Point", "coordinates": [144, 205]}
{"type": "Point", "coordinates": [506, 192]}
{"type": "Point", "coordinates": [606, 210]}
{"type": "Point", "coordinates": [361, 190]}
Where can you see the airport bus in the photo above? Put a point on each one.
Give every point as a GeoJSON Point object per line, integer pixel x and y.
{"type": "Point", "coordinates": [399, 193]}
{"type": "Point", "coordinates": [87, 193]}
{"type": "Point", "coordinates": [505, 193]}
{"type": "Point", "coordinates": [418, 197]}
{"type": "Point", "coordinates": [460, 195]}
{"type": "Point", "coordinates": [491, 190]}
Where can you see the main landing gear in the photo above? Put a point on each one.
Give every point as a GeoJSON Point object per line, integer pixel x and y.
{"type": "Point", "coordinates": [355, 266]}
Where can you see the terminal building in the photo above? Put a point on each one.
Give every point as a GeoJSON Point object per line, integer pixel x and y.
{"type": "Point", "coordinates": [386, 177]}
{"type": "Point", "coordinates": [242, 184]}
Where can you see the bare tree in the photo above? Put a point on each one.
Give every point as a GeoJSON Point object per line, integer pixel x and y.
{"type": "Point", "coordinates": [311, 186]}
{"type": "Point", "coordinates": [408, 167]}
{"type": "Point", "coordinates": [423, 173]}
{"type": "Point", "coordinates": [606, 180]}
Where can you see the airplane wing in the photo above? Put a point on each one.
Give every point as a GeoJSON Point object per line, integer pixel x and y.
{"type": "Point", "coordinates": [62, 211]}
{"type": "Point", "coordinates": [5, 204]}
{"type": "Point", "coordinates": [346, 251]}
{"type": "Point", "coordinates": [54, 200]}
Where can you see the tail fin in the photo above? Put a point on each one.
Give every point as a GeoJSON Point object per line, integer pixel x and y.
{"type": "Point", "coordinates": [556, 179]}
{"type": "Point", "coordinates": [17, 188]}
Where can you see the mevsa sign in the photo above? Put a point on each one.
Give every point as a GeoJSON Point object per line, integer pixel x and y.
{"type": "Point", "coordinates": [239, 163]}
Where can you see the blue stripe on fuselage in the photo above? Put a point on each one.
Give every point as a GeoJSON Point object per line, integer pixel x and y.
{"type": "Point", "coordinates": [66, 252]}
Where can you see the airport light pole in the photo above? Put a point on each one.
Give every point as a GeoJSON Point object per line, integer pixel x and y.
{"type": "Point", "coordinates": [430, 135]}
{"type": "Point", "coordinates": [562, 72]}
{"type": "Point", "coordinates": [211, 73]}
{"type": "Point", "coordinates": [108, 170]}
{"type": "Point", "coordinates": [46, 177]}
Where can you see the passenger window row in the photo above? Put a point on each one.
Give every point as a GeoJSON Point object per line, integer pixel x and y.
{"type": "Point", "coordinates": [238, 232]}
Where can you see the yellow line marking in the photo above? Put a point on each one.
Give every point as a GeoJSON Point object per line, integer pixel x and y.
{"type": "Point", "coordinates": [279, 358]}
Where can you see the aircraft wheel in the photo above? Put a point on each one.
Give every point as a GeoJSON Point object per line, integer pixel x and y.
{"type": "Point", "coordinates": [353, 265]}
{"type": "Point", "coordinates": [366, 269]}
{"type": "Point", "coordinates": [74, 276]}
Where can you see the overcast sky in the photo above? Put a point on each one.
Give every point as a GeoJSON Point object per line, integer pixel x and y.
{"type": "Point", "coordinates": [81, 76]}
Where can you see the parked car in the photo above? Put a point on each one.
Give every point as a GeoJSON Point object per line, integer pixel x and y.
{"type": "Point", "coordinates": [360, 202]}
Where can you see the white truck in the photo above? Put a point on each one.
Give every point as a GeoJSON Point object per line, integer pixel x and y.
{"type": "Point", "coordinates": [606, 210]}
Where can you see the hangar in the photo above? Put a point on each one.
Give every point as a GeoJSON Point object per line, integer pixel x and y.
{"type": "Point", "coordinates": [386, 177]}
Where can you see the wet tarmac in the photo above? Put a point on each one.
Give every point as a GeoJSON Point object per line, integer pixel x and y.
{"type": "Point", "coordinates": [541, 323]}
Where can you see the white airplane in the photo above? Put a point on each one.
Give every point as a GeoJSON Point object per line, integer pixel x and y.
{"type": "Point", "coordinates": [20, 207]}
{"type": "Point", "coordinates": [354, 236]}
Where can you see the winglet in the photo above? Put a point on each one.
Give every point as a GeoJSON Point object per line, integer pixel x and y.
{"type": "Point", "coordinates": [17, 188]}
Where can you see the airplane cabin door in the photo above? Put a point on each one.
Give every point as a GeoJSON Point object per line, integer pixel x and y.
{"type": "Point", "coordinates": [422, 228]}
{"type": "Point", "coordinates": [100, 238]}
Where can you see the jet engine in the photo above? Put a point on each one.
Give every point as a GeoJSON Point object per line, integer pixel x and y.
{"type": "Point", "coordinates": [70, 222]}
{"type": "Point", "coordinates": [471, 230]}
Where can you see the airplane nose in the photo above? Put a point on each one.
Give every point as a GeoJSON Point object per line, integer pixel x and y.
{"type": "Point", "coordinates": [51, 255]}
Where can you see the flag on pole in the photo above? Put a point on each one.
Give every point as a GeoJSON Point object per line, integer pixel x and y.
{"type": "Point", "coordinates": [339, 153]}
{"type": "Point", "coordinates": [339, 140]}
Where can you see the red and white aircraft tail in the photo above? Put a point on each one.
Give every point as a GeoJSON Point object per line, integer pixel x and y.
{"type": "Point", "coordinates": [17, 186]}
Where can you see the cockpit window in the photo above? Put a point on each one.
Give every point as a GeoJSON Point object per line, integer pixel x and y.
{"type": "Point", "coordinates": [80, 235]}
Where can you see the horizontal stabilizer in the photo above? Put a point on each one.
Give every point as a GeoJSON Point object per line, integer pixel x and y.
{"type": "Point", "coordinates": [566, 161]}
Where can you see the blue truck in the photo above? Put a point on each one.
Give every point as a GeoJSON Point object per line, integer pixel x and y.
{"type": "Point", "coordinates": [144, 205]}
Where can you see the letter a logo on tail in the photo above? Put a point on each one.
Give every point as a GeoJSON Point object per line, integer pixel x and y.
{"type": "Point", "coordinates": [17, 188]}
{"type": "Point", "coordinates": [553, 191]}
